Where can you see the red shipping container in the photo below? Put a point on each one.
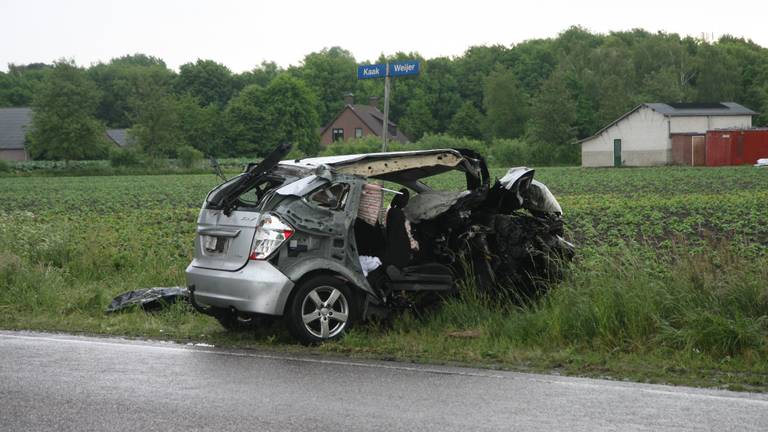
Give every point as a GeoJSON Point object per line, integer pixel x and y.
{"type": "Point", "coordinates": [736, 146]}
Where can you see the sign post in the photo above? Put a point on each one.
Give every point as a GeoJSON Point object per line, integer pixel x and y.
{"type": "Point", "coordinates": [385, 126]}
{"type": "Point", "coordinates": [386, 71]}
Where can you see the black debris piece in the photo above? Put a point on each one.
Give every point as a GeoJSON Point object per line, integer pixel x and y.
{"type": "Point", "coordinates": [149, 299]}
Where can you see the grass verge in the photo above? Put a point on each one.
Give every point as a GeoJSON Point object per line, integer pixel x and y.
{"type": "Point", "coordinates": [681, 316]}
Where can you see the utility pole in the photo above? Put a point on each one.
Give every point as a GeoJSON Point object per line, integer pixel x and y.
{"type": "Point", "coordinates": [385, 126]}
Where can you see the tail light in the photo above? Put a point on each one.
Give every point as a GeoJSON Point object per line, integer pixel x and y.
{"type": "Point", "coordinates": [270, 234]}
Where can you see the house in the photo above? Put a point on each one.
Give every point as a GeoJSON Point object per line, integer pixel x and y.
{"type": "Point", "coordinates": [119, 137]}
{"type": "Point", "coordinates": [661, 134]}
{"type": "Point", "coordinates": [13, 129]}
{"type": "Point", "coordinates": [15, 123]}
{"type": "Point", "coordinates": [357, 121]}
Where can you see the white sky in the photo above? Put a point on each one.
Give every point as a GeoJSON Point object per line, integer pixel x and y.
{"type": "Point", "coordinates": [240, 34]}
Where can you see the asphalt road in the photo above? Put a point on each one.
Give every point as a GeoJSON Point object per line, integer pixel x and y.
{"type": "Point", "coordinates": [71, 383]}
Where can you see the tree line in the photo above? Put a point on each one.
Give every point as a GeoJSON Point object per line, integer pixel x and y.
{"type": "Point", "coordinates": [541, 94]}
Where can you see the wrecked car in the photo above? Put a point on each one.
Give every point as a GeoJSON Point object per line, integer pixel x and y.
{"type": "Point", "coordinates": [310, 240]}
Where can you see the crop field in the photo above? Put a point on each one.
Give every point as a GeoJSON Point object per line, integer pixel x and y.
{"type": "Point", "coordinates": [670, 282]}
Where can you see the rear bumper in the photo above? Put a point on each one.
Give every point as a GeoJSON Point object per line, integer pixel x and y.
{"type": "Point", "coordinates": [258, 287]}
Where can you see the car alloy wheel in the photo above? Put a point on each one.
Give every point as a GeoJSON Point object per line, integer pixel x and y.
{"type": "Point", "coordinates": [325, 312]}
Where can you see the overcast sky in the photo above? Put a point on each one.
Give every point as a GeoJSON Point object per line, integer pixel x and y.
{"type": "Point", "coordinates": [241, 34]}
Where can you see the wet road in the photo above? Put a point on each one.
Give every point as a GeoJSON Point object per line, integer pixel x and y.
{"type": "Point", "coordinates": [63, 383]}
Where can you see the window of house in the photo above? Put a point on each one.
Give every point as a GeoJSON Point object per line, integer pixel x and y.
{"type": "Point", "coordinates": [337, 134]}
{"type": "Point", "coordinates": [358, 132]}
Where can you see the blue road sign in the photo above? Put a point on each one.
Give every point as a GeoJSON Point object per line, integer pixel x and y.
{"type": "Point", "coordinates": [410, 67]}
{"type": "Point", "coordinates": [371, 71]}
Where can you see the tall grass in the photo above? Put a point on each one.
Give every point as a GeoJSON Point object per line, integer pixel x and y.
{"type": "Point", "coordinates": [629, 300]}
{"type": "Point", "coordinates": [713, 301]}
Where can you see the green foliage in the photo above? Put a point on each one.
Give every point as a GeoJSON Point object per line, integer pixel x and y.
{"type": "Point", "coordinates": [18, 86]}
{"type": "Point", "coordinates": [63, 123]}
{"type": "Point", "coordinates": [418, 118]}
{"type": "Point", "coordinates": [467, 122]}
{"type": "Point", "coordinates": [330, 73]}
{"type": "Point", "coordinates": [261, 75]}
{"type": "Point", "coordinates": [121, 81]}
{"type": "Point", "coordinates": [441, 90]}
{"type": "Point", "coordinates": [718, 75]}
{"type": "Point", "coordinates": [201, 127]}
{"type": "Point", "coordinates": [189, 156]}
{"type": "Point", "coordinates": [129, 157]}
{"type": "Point", "coordinates": [546, 92]}
{"type": "Point", "coordinates": [157, 124]}
{"type": "Point", "coordinates": [446, 141]}
{"type": "Point", "coordinates": [553, 125]}
{"type": "Point", "coordinates": [4, 167]}
{"type": "Point", "coordinates": [367, 144]}
{"type": "Point", "coordinates": [510, 153]}
{"type": "Point", "coordinates": [207, 81]}
{"type": "Point", "coordinates": [293, 118]}
{"type": "Point", "coordinates": [506, 106]}
{"type": "Point", "coordinates": [246, 122]}
{"type": "Point", "coordinates": [259, 119]}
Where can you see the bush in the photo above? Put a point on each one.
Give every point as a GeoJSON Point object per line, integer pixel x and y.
{"type": "Point", "coordinates": [188, 156]}
{"type": "Point", "coordinates": [509, 153]}
{"type": "Point", "coordinates": [4, 166]}
{"type": "Point", "coordinates": [439, 141]}
{"type": "Point", "coordinates": [126, 158]}
{"type": "Point", "coordinates": [368, 144]}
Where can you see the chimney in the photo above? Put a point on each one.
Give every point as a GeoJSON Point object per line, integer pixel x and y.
{"type": "Point", "coordinates": [373, 101]}
{"type": "Point", "coordinates": [349, 99]}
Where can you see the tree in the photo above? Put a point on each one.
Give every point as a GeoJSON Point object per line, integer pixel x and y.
{"type": "Point", "coordinates": [259, 119]}
{"type": "Point", "coordinates": [209, 82]}
{"type": "Point", "coordinates": [63, 123]}
{"type": "Point", "coordinates": [663, 85]}
{"type": "Point", "coordinates": [506, 106]}
{"type": "Point", "coordinates": [294, 118]}
{"type": "Point", "coordinates": [474, 67]}
{"type": "Point", "coordinates": [261, 75]}
{"type": "Point", "coordinates": [201, 127]}
{"type": "Point", "coordinates": [330, 74]}
{"type": "Point", "coordinates": [157, 126]}
{"type": "Point", "coordinates": [467, 122]}
{"type": "Point", "coordinates": [718, 75]}
{"type": "Point", "coordinates": [17, 87]}
{"type": "Point", "coordinates": [119, 82]}
{"type": "Point", "coordinates": [442, 92]}
{"type": "Point", "coordinates": [246, 123]}
{"type": "Point", "coordinates": [553, 121]}
{"type": "Point", "coordinates": [417, 119]}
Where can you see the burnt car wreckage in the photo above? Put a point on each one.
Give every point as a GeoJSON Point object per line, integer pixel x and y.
{"type": "Point", "coordinates": [302, 239]}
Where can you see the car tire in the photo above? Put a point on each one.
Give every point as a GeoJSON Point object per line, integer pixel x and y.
{"type": "Point", "coordinates": [321, 309]}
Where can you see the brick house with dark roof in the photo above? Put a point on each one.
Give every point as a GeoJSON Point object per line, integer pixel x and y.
{"type": "Point", "coordinates": [15, 123]}
{"type": "Point", "coordinates": [357, 121]}
{"type": "Point", "coordinates": [13, 130]}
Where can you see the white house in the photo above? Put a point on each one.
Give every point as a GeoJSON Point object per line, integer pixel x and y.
{"type": "Point", "coordinates": [644, 136]}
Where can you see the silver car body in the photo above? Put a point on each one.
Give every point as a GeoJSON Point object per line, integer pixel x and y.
{"type": "Point", "coordinates": [221, 274]}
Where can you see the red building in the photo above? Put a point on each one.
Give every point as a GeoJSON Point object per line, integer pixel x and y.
{"type": "Point", "coordinates": [736, 146]}
{"type": "Point", "coordinates": [357, 121]}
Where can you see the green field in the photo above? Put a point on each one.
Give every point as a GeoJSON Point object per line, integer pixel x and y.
{"type": "Point", "coordinates": [670, 283]}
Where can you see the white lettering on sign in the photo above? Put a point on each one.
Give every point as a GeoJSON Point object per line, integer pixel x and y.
{"type": "Point", "coordinates": [370, 72]}
{"type": "Point", "coordinates": [404, 67]}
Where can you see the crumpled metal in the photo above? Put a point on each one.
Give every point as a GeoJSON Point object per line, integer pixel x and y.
{"type": "Point", "coordinates": [149, 299]}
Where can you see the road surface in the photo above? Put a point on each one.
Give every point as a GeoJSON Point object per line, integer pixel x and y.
{"type": "Point", "coordinates": [69, 383]}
